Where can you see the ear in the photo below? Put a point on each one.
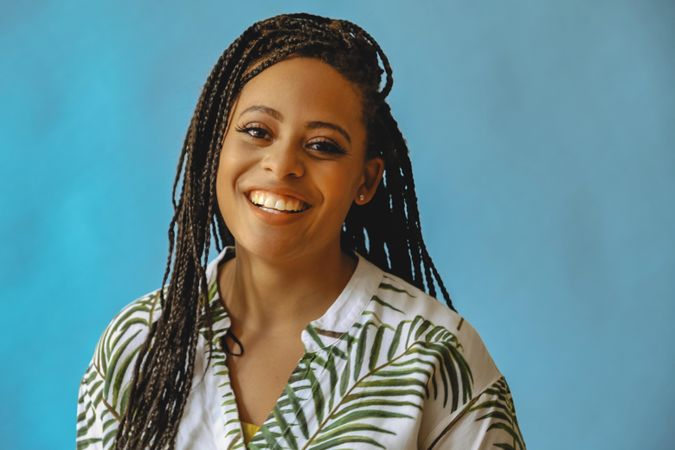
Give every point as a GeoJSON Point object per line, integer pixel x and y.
{"type": "Point", "coordinates": [372, 174]}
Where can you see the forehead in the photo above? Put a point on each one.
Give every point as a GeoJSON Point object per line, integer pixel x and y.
{"type": "Point", "coordinates": [300, 87]}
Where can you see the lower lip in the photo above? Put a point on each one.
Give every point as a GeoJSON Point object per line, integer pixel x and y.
{"type": "Point", "coordinates": [274, 217]}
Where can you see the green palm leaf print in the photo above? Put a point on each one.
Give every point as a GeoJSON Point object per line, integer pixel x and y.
{"type": "Point", "coordinates": [499, 407]}
{"type": "Point", "coordinates": [375, 371]}
{"type": "Point", "coordinates": [105, 377]}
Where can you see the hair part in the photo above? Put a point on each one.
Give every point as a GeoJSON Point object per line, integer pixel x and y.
{"type": "Point", "coordinates": [386, 230]}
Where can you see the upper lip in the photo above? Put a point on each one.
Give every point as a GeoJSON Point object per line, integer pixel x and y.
{"type": "Point", "coordinates": [280, 191]}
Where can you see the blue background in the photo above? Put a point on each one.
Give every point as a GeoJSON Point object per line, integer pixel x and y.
{"type": "Point", "coordinates": [542, 138]}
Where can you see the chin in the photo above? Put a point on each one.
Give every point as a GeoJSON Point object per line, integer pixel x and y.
{"type": "Point", "coordinates": [268, 247]}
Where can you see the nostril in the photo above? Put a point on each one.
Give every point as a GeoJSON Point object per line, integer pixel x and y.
{"type": "Point", "coordinates": [283, 163]}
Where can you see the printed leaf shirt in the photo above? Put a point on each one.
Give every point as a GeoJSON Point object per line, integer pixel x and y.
{"type": "Point", "coordinates": [387, 366]}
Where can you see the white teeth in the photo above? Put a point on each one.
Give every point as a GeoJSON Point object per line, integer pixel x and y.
{"type": "Point", "coordinates": [269, 200]}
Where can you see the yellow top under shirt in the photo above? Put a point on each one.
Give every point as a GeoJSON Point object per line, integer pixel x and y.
{"type": "Point", "coordinates": [249, 430]}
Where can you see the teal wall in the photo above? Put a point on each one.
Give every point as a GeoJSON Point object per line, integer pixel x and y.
{"type": "Point", "coordinates": [542, 136]}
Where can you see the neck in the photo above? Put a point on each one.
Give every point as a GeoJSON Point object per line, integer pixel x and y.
{"type": "Point", "coordinates": [271, 296]}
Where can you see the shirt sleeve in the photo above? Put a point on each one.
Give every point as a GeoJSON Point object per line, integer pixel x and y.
{"type": "Point", "coordinates": [487, 421]}
{"type": "Point", "coordinates": [105, 385]}
{"type": "Point", "coordinates": [89, 425]}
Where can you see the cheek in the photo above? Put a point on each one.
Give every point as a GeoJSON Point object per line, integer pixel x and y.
{"type": "Point", "coordinates": [340, 188]}
{"type": "Point", "coordinates": [226, 181]}
{"type": "Point", "coordinates": [233, 161]}
{"type": "Point", "coordinates": [223, 196]}
{"type": "Point", "coordinates": [221, 176]}
{"type": "Point", "coordinates": [228, 177]}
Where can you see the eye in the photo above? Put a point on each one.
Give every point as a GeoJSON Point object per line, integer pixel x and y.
{"type": "Point", "coordinates": [326, 146]}
{"type": "Point", "coordinates": [255, 131]}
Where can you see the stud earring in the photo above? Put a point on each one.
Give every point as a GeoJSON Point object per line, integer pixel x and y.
{"type": "Point", "coordinates": [361, 197]}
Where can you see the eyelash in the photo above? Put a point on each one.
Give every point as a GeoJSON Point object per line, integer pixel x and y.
{"type": "Point", "coordinates": [335, 148]}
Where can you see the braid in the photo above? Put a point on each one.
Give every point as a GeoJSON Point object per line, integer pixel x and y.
{"type": "Point", "coordinates": [386, 231]}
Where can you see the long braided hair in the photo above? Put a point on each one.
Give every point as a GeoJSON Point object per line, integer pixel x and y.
{"type": "Point", "coordinates": [386, 230]}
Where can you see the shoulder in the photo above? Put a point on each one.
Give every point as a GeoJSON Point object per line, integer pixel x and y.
{"type": "Point", "coordinates": [109, 374]}
{"type": "Point", "coordinates": [104, 387]}
{"type": "Point", "coordinates": [468, 399]}
{"type": "Point", "coordinates": [397, 301]}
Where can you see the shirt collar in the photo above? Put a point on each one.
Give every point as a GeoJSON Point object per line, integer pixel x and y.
{"type": "Point", "coordinates": [338, 319]}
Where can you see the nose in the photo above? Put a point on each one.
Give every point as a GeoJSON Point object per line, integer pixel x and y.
{"type": "Point", "coordinates": [283, 159]}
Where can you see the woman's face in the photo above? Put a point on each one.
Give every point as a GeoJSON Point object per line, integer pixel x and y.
{"type": "Point", "coordinates": [293, 160]}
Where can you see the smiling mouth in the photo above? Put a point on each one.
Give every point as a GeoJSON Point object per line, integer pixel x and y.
{"type": "Point", "coordinates": [276, 204]}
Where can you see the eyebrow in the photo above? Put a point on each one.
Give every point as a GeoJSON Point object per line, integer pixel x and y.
{"type": "Point", "coordinates": [312, 125]}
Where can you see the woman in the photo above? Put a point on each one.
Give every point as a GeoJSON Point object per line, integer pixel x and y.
{"type": "Point", "coordinates": [311, 328]}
